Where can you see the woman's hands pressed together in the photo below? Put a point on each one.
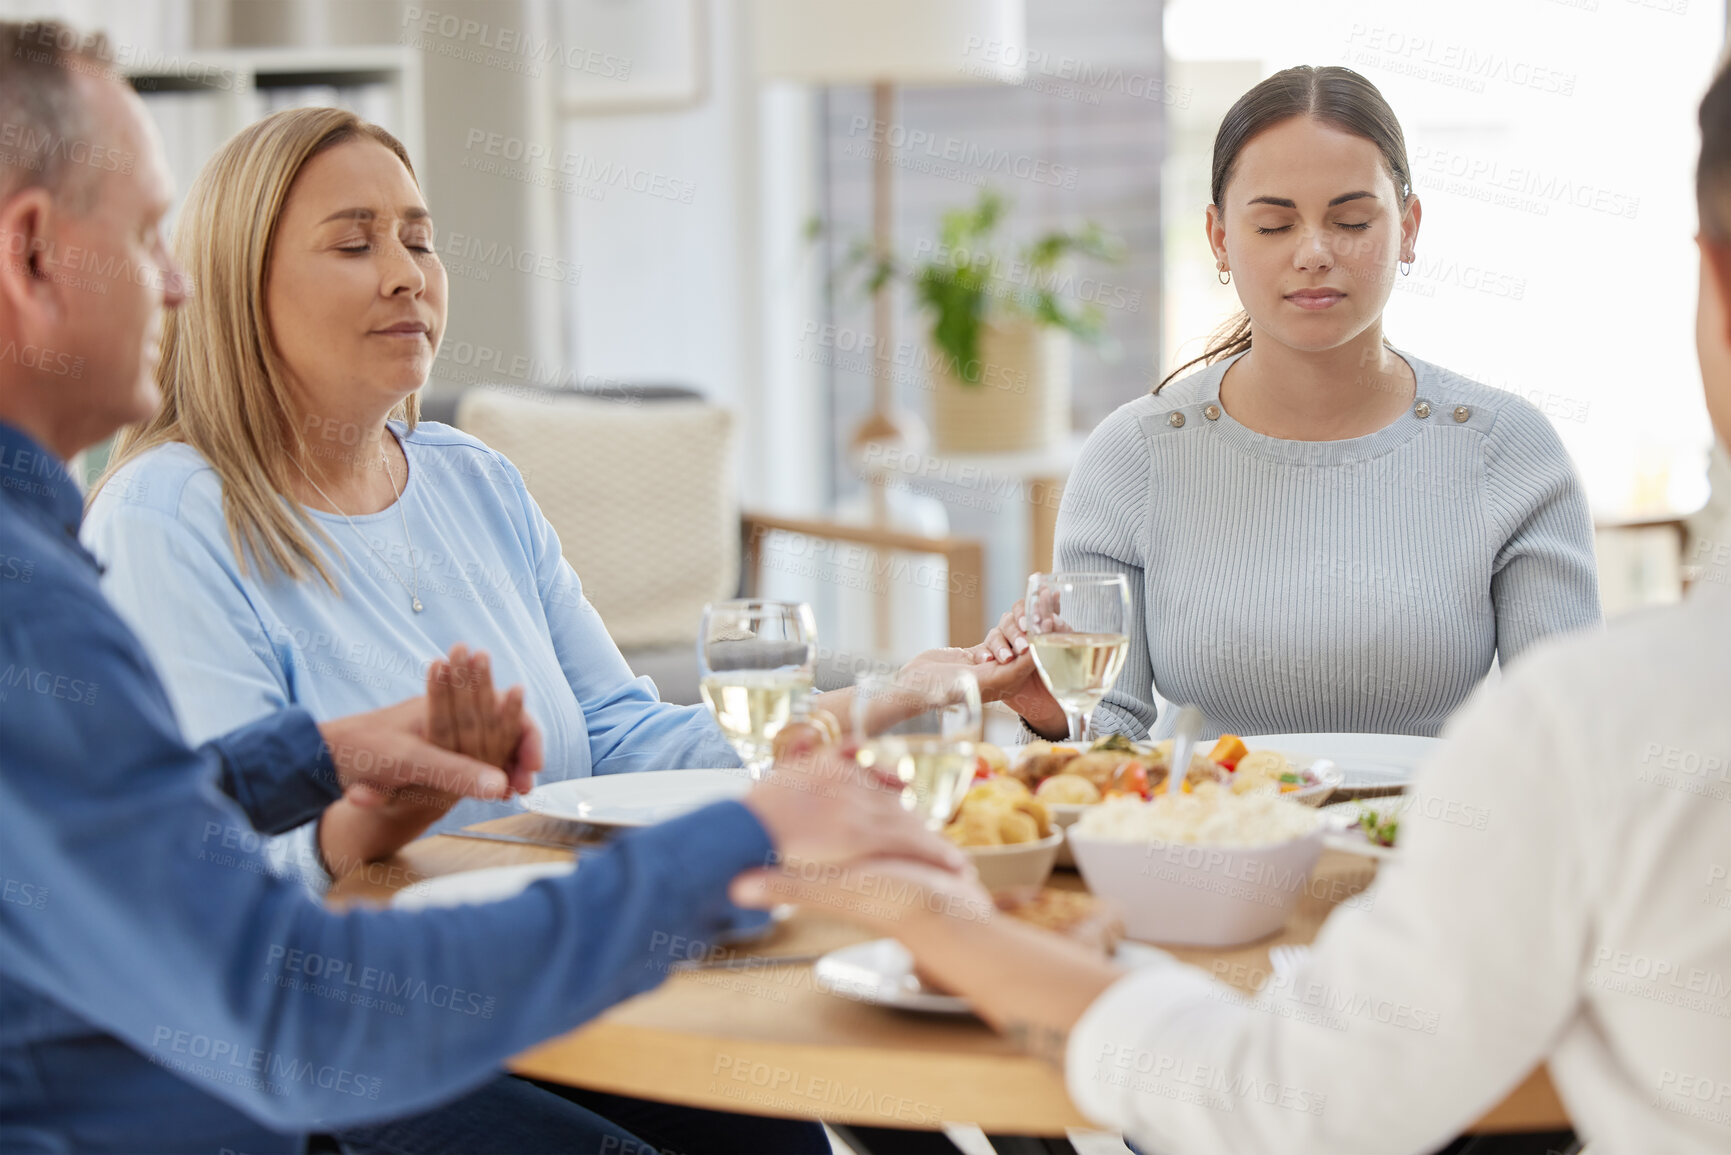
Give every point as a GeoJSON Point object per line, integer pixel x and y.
{"type": "Point", "coordinates": [462, 739]}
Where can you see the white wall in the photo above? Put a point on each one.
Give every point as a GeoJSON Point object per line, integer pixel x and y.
{"type": "Point", "coordinates": [692, 288]}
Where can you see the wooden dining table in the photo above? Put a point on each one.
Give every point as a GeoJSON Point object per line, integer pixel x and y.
{"type": "Point", "coordinates": [760, 1037]}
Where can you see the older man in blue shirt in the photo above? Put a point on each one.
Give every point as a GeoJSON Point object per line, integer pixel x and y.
{"type": "Point", "coordinates": [147, 999]}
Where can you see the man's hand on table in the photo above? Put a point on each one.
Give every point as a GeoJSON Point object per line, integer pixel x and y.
{"type": "Point", "coordinates": [876, 864]}
{"type": "Point", "coordinates": [895, 896]}
{"type": "Point", "coordinates": [408, 764]}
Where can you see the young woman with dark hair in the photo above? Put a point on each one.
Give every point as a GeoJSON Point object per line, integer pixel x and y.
{"type": "Point", "coordinates": [1321, 532]}
{"type": "Point", "coordinates": [1582, 927]}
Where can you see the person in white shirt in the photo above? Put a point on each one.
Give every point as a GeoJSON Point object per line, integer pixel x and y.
{"type": "Point", "coordinates": [1566, 900]}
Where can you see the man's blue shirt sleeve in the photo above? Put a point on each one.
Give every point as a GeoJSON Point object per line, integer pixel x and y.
{"type": "Point", "coordinates": [278, 770]}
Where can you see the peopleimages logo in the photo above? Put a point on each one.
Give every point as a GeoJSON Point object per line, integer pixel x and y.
{"type": "Point", "coordinates": [512, 42]}
{"type": "Point", "coordinates": [287, 967]}
{"type": "Point", "coordinates": [1001, 161]}
{"type": "Point", "coordinates": [223, 1061]}
{"type": "Point", "coordinates": [526, 160]}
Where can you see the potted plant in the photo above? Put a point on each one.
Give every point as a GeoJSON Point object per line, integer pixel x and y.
{"type": "Point", "coordinates": [1002, 322]}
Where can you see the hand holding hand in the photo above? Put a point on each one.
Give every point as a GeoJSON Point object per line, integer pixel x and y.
{"type": "Point", "coordinates": [886, 894]}
{"type": "Point", "coordinates": [1005, 663]}
{"type": "Point", "coordinates": [821, 806]}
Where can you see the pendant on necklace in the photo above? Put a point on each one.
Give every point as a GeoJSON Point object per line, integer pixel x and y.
{"type": "Point", "coordinates": [418, 606]}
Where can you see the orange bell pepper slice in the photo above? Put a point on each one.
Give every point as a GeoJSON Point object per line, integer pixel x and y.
{"type": "Point", "coordinates": [1228, 750]}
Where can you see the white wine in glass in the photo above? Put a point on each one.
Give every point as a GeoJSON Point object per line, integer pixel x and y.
{"type": "Point", "coordinates": [756, 662]}
{"type": "Point", "coordinates": [752, 707]}
{"type": "Point", "coordinates": [935, 771]}
{"type": "Point", "coordinates": [1078, 631]}
{"type": "Point", "coordinates": [1079, 668]}
{"type": "Point", "coordinates": [921, 727]}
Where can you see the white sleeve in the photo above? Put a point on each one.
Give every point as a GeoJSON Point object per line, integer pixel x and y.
{"type": "Point", "coordinates": [1424, 1002]}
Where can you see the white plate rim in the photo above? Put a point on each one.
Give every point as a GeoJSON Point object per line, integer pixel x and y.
{"type": "Point", "coordinates": [548, 799]}
{"type": "Point", "coordinates": [1375, 770]}
{"type": "Point", "coordinates": [1131, 954]}
{"type": "Point", "coordinates": [423, 894]}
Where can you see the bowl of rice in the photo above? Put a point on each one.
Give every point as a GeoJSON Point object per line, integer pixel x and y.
{"type": "Point", "coordinates": [1210, 868]}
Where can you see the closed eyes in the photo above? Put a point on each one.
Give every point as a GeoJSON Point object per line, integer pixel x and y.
{"type": "Point", "coordinates": [1284, 228]}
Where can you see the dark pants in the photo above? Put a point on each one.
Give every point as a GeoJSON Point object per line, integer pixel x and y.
{"type": "Point", "coordinates": [512, 1116]}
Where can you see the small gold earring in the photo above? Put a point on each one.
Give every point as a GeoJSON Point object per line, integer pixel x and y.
{"type": "Point", "coordinates": [1225, 275]}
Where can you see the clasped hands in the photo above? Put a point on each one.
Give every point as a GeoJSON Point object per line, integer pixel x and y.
{"type": "Point", "coordinates": [403, 767]}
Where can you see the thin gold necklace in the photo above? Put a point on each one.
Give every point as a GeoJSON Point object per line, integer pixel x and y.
{"type": "Point", "coordinates": [415, 566]}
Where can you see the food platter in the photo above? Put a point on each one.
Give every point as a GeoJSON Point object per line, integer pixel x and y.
{"type": "Point", "coordinates": [1116, 765]}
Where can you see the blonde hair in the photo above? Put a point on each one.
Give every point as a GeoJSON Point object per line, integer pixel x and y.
{"type": "Point", "coordinates": [223, 382]}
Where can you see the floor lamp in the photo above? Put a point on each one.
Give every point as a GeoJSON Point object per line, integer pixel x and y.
{"type": "Point", "coordinates": [883, 43]}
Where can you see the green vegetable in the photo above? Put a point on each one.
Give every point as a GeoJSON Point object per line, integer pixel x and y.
{"type": "Point", "coordinates": [1378, 831]}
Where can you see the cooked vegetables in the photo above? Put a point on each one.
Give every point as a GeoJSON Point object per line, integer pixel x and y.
{"type": "Point", "coordinates": [1378, 830]}
{"type": "Point", "coordinates": [1228, 750]}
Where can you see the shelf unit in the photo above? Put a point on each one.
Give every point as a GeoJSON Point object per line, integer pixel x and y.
{"type": "Point", "coordinates": [201, 99]}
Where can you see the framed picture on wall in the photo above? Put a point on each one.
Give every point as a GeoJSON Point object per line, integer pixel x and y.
{"type": "Point", "coordinates": [630, 55]}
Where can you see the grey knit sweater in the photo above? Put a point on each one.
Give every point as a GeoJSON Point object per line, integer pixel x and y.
{"type": "Point", "coordinates": [1362, 585]}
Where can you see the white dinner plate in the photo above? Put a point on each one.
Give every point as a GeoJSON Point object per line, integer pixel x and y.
{"type": "Point", "coordinates": [489, 884]}
{"type": "Point", "coordinates": [881, 972]}
{"type": "Point", "coordinates": [641, 799]}
{"type": "Point", "coordinates": [1366, 761]}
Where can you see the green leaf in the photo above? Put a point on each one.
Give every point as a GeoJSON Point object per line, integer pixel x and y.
{"type": "Point", "coordinates": [970, 279]}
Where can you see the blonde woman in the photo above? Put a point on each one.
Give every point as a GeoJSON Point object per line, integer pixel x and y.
{"type": "Point", "coordinates": [285, 532]}
{"type": "Point", "coordinates": [1321, 532]}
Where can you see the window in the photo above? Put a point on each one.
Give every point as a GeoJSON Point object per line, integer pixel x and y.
{"type": "Point", "coordinates": [1553, 146]}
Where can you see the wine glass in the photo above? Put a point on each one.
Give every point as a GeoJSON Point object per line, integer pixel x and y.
{"type": "Point", "coordinates": [921, 727]}
{"type": "Point", "coordinates": [756, 660]}
{"type": "Point", "coordinates": [1078, 629]}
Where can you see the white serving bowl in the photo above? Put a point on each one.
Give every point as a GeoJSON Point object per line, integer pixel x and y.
{"type": "Point", "coordinates": [1184, 895]}
{"type": "Point", "coordinates": [1064, 816]}
{"type": "Point", "coordinates": [1018, 864]}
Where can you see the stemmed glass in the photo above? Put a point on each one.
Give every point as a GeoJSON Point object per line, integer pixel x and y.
{"type": "Point", "coordinates": [921, 727]}
{"type": "Point", "coordinates": [756, 659]}
{"type": "Point", "coordinates": [1078, 629]}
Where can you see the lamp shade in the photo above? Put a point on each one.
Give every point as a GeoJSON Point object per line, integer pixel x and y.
{"type": "Point", "coordinates": [932, 42]}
